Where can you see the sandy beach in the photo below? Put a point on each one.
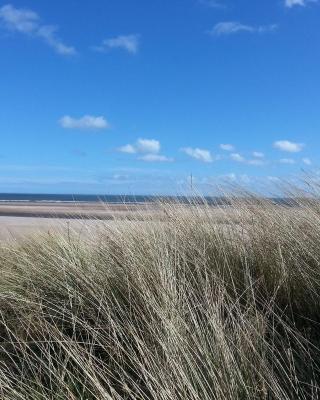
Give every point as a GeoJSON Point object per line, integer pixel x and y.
{"type": "Point", "coordinates": [20, 219]}
{"type": "Point", "coordinates": [90, 210]}
{"type": "Point", "coordinates": [15, 228]}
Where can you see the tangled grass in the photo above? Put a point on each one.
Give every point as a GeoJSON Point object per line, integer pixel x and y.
{"type": "Point", "coordinates": [202, 304]}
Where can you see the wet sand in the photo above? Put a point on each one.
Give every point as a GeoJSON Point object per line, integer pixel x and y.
{"type": "Point", "coordinates": [74, 210]}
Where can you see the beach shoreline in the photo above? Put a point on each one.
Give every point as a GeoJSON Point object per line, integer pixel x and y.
{"type": "Point", "coordinates": [70, 210]}
{"type": "Point", "coordinates": [22, 219]}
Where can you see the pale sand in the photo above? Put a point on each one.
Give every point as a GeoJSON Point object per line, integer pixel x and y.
{"type": "Point", "coordinates": [74, 210]}
{"type": "Point", "coordinates": [21, 219]}
{"type": "Point", "coordinates": [14, 228]}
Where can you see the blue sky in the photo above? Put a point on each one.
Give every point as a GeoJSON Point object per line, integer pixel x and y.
{"type": "Point", "coordinates": [123, 96]}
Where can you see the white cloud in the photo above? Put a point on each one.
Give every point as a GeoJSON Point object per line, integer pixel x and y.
{"type": "Point", "coordinates": [128, 148]}
{"type": "Point", "coordinates": [150, 146]}
{"type": "Point", "coordinates": [130, 43]}
{"type": "Point", "coordinates": [231, 176]}
{"type": "Point", "coordinates": [227, 147]}
{"type": "Point", "coordinates": [287, 161]}
{"type": "Point", "coordinates": [232, 27]}
{"type": "Point", "coordinates": [286, 145]}
{"type": "Point", "coordinates": [21, 20]}
{"type": "Point", "coordinates": [237, 157]}
{"type": "Point", "coordinates": [199, 154]}
{"type": "Point", "coordinates": [306, 161]}
{"type": "Point", "coordinates": [258, 154]}
{"type": "Point", "coordinates": [155, 158]}
{"type": "Point", "coordinates": [243, 178]}
{"type": "Point", "coordinates": [27, 22]}
{"type": "Point", "coordinates": [47, 33]}
{"type": "Point", "coordinates": [255, 161]}
{"type": "Point", "coordinates": [120, 177]}
{"type": "Point", "coordinates": [87, 122]}
{"type": "Point", "coordinates": [292, 3]}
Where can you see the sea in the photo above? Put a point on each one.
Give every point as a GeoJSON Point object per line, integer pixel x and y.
{"type": "Point", "coordinates": [67, 198]}
{"type": "Point", "coordinates": [127, 199]}
{"type": "Point", "coordinates": [113, 199]}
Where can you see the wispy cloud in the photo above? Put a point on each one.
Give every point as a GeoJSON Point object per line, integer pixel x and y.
{"type": "Point", "coordinates": [232, 177]}
{"type": "Point", "coordinates": [198, 154]}
{"type": "Point", "coordinates": [121, 177]}
{"type": "Point", "coordinates": [212, 3]}
{"type": "Point", "coordinates": [237, 157]}
{"type": "Point", "coordinates": [155, 158]}
{"type": "Point", "coordinates": [28, 22]}
{"type": "Point", "coordinates": [46, 181]}
{"type": "Point", "coordinates": [227, 147]}
{"type": "Point", "coordinates": [287, 161]}
{"type": "Point", "coordinates": [256, 161]}
{"type": "Point", "coordinates": [286, 145]}
{"type": "Point", "coordinates": [241, 159]}
{"type": "Point", "coordinates": [233, 27]}
{"type": "Point", "coordinates": [129, 43]}
{"type": "Point", "coordinates": [87, 122]}
{"type": "Point", "coordinates": [302, 3]}
{"type": "Point", "coordinates": [128, 148]}
{"type": "Point", "coordinates": [258, 154]}
{"type": "Point", "coordinates": [307, 161]}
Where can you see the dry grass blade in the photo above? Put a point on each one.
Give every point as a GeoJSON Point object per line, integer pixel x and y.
{"type": "Point", "coordinates": [203, 302]}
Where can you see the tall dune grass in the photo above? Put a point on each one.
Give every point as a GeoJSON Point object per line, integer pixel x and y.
{"type": "Point", "coordinates": [202, 303]}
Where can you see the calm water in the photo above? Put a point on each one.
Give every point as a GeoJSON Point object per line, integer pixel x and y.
{"type": "Point", "coordinates": [16, 197]}
{"type": "Point", "coordinates": [66, 198]}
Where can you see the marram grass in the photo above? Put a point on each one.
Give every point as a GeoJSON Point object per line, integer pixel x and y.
{"type": "Point", "coordinates": [201, 303]}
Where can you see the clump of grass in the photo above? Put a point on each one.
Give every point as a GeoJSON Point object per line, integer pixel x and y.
{"type": "Point", "coordinates": [202, 303]}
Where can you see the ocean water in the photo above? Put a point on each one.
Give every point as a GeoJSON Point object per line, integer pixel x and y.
{"type": "Point", "coordinates": [66, 198]}
{"type": "Point", "coordinates": [120, 199]}
{"type": "Point", "coordinates": [117, 199]}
